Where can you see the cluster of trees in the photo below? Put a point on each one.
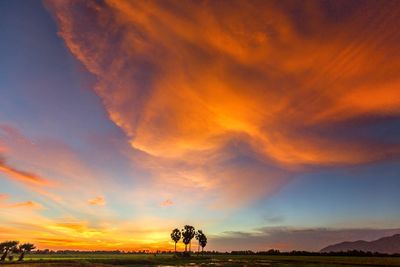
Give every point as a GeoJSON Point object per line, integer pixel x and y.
{"type": "Point", "coordinates": [7, 248]}
{"type": "Point", "coordinates": [187, 234]}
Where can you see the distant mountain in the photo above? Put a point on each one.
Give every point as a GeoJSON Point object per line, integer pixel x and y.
{"type": "Point", "coordinates": [388, 245]}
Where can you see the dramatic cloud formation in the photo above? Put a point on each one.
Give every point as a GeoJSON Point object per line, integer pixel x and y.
{"type": "Point", "coordinates": [271, 85]}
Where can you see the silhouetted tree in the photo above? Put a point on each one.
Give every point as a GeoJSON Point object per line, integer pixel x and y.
{"type": "Point", "coordinates": [198, 236]}
{"type": "Point", "coordinates": [25, 248]}
{"type": "Point", "coordinates": [188, 233]}
{"type": "Point", "coordinates": [14, 250]}
{"type": "Point", "coordinates": [2, 246]}
{"type": "Point", "coordinates": [202, 241]}
{"type": "Point", "coordinates": [176, 236]}
{"type": "Point", "coordinates": [7, 246]}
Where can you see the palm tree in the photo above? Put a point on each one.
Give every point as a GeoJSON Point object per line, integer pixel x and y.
{"type": "Point", "coordinates": [25, 248]}
{"type": "Point", "coordinates": [198, 237]}
{"type": "Point", "coordinates": [176, 236]}
{"type": "Point", "coordinates": [188, 233]}
{"type": "Point", "coordinates": [7, 246]}
{"type": "Point", "coordinates": [202, 241]}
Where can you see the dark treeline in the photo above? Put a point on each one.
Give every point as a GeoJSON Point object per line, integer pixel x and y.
{"type": "Point", "coordinates": [357, 253]}
{"type": "Point", "coordinates": [271, 252]}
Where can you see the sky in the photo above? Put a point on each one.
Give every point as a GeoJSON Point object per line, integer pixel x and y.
{"type": "Point", "coordinates": [267, 124]}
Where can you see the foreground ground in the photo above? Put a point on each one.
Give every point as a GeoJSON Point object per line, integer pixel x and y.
{"type": "Point", "coordinates": [211, 260]}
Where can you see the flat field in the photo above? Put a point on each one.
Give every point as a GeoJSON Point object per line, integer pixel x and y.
{"type": "Point", "coordinates": [49, 260]}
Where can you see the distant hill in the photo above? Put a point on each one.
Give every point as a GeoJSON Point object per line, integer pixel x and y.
{"type": "Point", "coordinates": [388, 245]}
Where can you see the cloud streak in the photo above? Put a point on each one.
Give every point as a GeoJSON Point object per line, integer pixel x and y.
{"type": "Point", "coordinates": [22, 176]}
{"type": "Point", "coordinates": [15, 173]}
{"type": "Point", "coordinates": [97, 201]}
{"type": "Point", "coordinates": [166, 203]}
{"type": "Point", "coordinates": [27, 204]}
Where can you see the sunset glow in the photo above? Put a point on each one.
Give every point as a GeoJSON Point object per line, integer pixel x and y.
{"type": "Point", "coordinates": [259, 122]}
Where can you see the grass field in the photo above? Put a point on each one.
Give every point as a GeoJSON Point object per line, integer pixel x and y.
{"type": "Point", "coordinates": [44, 260]}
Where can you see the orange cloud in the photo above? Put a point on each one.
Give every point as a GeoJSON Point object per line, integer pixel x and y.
{"type": "Point", "coordinates": [70, 233]}
{"type": "Point", "coordinates": [97, 201]}
{"type": "Point", "coordinates": [68, 181]}
{"type": "Point", "coordinates": [200, 86]}
{"type": "Point", "coordinates": [27, 204]}
{"type": "Point", "coordinates": [23, 176]}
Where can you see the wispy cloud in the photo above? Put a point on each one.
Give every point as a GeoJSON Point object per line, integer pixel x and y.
{"type": "Point", "coordinates": [166, 203]}
{"type": "Point", "coordinates": [29, 177]}
{"type": "Point", "coordinates": [22, 176]}
{"type": "Point", "coordinates": [65, 178]}
{"type": "Point", "coordinates": [97, 201]}
{"type": "Point", "coordinates": [27, 204]}
{"type": "Point", "coordinates": [5, 203]}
